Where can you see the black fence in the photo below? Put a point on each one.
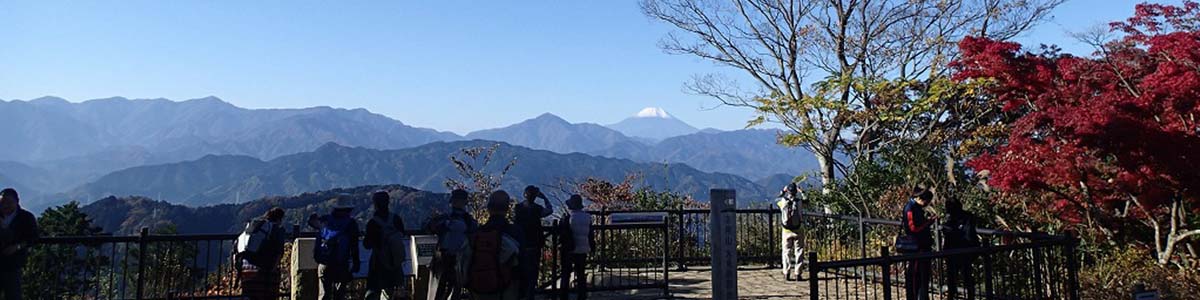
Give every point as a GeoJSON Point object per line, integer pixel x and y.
{"type": "Point", "coordinates": [624, 257]}
{"type": "Point", "coordinates": [1010, 265]}
{"type": "Point", "coordinates": [132, 267]}
{"type": "Point", "coordinates": [848, 261]}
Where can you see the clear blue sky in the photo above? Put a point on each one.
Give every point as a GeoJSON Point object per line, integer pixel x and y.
{"type": "Point", "coordinates": [449, 65]}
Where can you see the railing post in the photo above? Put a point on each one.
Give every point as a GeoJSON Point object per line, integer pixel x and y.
{"type": "Point", "coordinates": [141, 280]}
{"type": "Point", "coordinates": [812, 276]}
{"type": "Point", "coordinates": [887, 273]}
{"type": "Point", "coordinates": [679, 257]}
{"type": "Point", "coordinates": [1072, 269]}
{"type": "Point", "coordinates": [987, 275]}
{"type": "Point", "coordinates": [666, 261]}
{"type": "Point", "coordinates": [862, 237]}
{"type": "Point", "coordinates": [771, 238]}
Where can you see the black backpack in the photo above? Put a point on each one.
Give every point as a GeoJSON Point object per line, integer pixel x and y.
{"type": "Point", "coordinates": [566, 239]}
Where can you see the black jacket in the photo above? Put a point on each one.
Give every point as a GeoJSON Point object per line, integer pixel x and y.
{"type": "Point", "coordinates": [23, 230]}
{"type": "Point", "coordinates": [960, 231]}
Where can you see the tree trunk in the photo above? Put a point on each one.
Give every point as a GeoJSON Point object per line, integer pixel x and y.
{"type": "Point", "coordinates": [825, 162]}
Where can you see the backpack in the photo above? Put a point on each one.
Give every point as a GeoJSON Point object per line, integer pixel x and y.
{"type": "Point", "coordinates": [962, 233]}
{"type": "Point", "coordinates": [251, 240]}
{"type": "Point", "coordinates": [393, 245]}
{"type": "Point", "coordinates": [333, 242]}
{"type": "Point", "coordinates": [791, 217]}
{"type": "Point", "coordinates": [487, 274]}
{"type": "Point", "coordinates": [566, 237]}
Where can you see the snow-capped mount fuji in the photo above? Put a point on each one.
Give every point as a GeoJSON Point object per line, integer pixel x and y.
{"type": "Point", "coordinates": [653, 123]}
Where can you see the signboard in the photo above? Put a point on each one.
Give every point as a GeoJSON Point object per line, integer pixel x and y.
{"type": "Point", "coordinates": [638, 218]}
{"type": "Point", "coordinates": [426, 246]}
{"type": "Point", "coordinates": [408, 269]}
{"type": "Point", "coordinates": [1147, 295]}
{"type": "Point", "coordinates": [723, 227]}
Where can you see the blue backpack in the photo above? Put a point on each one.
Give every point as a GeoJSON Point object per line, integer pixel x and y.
{"type": "Point", "coordinates": [334, 242]}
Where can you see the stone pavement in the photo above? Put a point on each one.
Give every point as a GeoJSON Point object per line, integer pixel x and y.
{"type": "Point", "coordinates": [758, 283]}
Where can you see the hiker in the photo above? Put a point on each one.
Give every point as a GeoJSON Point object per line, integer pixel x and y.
{"type": "Point", "coordinates": [488, 266]}
{"type": "Point", "coordinates": [335, 251]}
{"type": "Point", "coordinates": [529, 217]}
{"type": "Point", "coordinates": [791, 209]}
{"type": "Point", "coordinates": [576, 244]}
{"type": "Point", "coordinates": [918, 229]}
{"type": "Point", "coordinates": [452, 231]}
{"type": "Point", "coordinates": [386, 239]}
{"type": "Point", "coordinates": [259, 249]}
{"type": "Point", "coordinates": [959, 232]}
{"type": "Point", "coordinates": [18, 230]}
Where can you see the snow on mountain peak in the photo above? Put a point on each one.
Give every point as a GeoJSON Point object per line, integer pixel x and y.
{"type": "Point", "coordinates": [653, 112]}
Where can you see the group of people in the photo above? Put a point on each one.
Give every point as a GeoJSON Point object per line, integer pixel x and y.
{"type": "Point", "coordinates": [958, 232]}
{"type": "Point", "coordinates": [500, 259]}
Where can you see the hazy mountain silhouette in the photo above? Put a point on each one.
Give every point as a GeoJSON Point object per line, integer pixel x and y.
{"type": "Point", "coordinates": [226, 179]}
{"type": "Point", "coordinates": [95, 137]}
{"type": "Point", "coordinates": [126, 215]}
{"type": "Point", "coordinates": [751, 153]}
{"type": "Point", "coordinates": [653, 123]}
{"type": "Point", "coordinates": [549, 132]}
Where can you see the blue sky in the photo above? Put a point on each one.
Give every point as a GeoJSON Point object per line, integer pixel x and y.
{"type": "Point", "coordinates": [449, 65]}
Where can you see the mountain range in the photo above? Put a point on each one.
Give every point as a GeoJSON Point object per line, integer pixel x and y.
{"type": "Point", "coordinates": [234, 179]}
{"type": "Point", "coordinates": [59, 149]}
{"type": "Point", "coordinates": [126, 215]}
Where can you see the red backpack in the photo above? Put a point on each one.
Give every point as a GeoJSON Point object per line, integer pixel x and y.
{"type": "Point", "coordinates": [487, 274]}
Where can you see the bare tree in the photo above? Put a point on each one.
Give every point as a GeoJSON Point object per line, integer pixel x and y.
{"type": "Point", "coordinates": [478, 176]}
{"type": "Point", "coordinates": [780, 44]}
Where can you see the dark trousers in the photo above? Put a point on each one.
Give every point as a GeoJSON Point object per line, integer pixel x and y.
{"type": "Point", "coordinates": [916, 279]}
{"type": "Point", "coordinates": [10, 284]}
{"type": "Point", "coordinates": [574, 265]}
{"type": "Point", "coordinates": [443, 284]}
{"type": "Point", "coordinates": [260, 285]}
{"type": "Point", "coordinates": [334, 281]}
{"type": "Point", "coordinates": [956, 268]}
{"type": "Point", "coordinates": [381, 283]}
{"type": "Point", "coordinates": [529, 267]}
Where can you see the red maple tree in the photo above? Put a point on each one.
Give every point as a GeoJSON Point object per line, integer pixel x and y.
{"type": "Point", "coordinates": [1109, 141]}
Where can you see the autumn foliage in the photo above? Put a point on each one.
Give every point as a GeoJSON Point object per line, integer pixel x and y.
{"type": "Point", "coordinates": [1111, 142]}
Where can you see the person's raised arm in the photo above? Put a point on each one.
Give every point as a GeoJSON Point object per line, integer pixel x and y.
{"type": "Point", "coordinates": [548, 209]}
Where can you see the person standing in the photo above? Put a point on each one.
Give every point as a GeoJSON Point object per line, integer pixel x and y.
{"type": "Point", "coordinates": [335, 251]}
{"type": "Point", "coordinates": [918, 227]}
{"type": "Point", "coordinates": [791, 210]}
{"type": "Point", "coordinates": [529, 217]}
{"type": "Point", "coordinates": [452, 231]}
{"type": "Point", "coordinates": [259, 266]}
{"type": "Point", "coordinates": [959, 232]}
{"type": "Point", "coordinates": [19, 228]}
{"type": "Point", "coordinates": [385, 238]}
{"type": "Point", "coordinates": [487, 268]}
{"type": "Point", "coordinates": [577, 244]}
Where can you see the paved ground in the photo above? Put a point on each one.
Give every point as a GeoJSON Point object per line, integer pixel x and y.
{"type": "Point", "coordinates": [753, 283]}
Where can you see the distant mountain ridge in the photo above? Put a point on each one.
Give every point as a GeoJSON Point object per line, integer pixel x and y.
{"type": "Point", "coordinates": [227, 179]}
{"type": "Point", "coordinates": [115, 133]}
{"type": "Point", "coordinates": [62, 150]}
{"type": "Point", "coordinates": [126, 215]}
{"type": "Point", "coordinates": [550, 132]}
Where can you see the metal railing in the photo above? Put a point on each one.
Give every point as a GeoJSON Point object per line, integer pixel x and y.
{"type": "Point", "coordinates": [1017, 265]}
{"type": "Point", "coordinates": [132, 267]}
